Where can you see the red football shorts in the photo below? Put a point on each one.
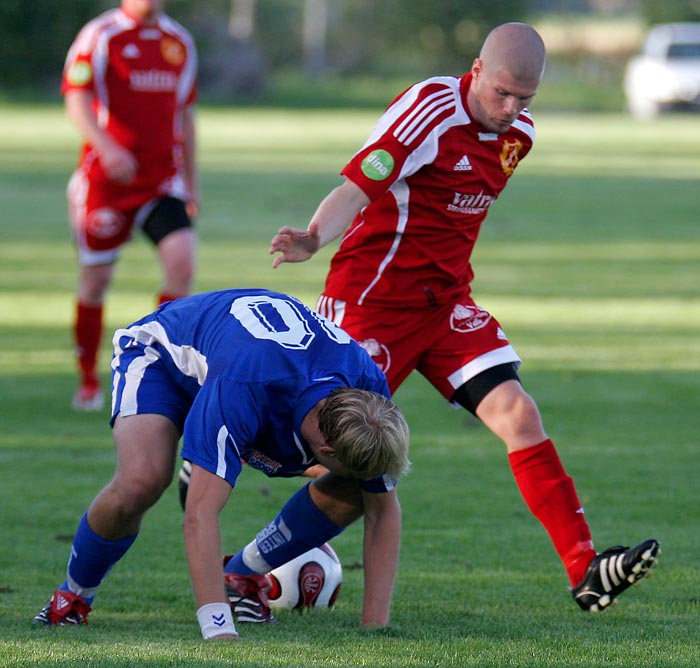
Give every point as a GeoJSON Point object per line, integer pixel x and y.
{"type": "Point", "coordinates": [448, 344]}
{"type": "Point", "coordinates": [102, 214]}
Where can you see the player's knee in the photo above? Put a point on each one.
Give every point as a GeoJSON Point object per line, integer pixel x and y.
{"type": "Point", "coordinates": [178, 266]}
{"type": "Point", "coordinates": [511, 413]}
{"type": "Point", "coordinates": [524, 414]}
{"type": "Point", "coordinates": [179, 278]}
{"type": "Point", "coordinates": [139, 491]}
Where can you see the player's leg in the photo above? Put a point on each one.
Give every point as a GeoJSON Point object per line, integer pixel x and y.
{"type": "Point", "coordinates": [474, 365]}
{"type": "Point", "coordinates": [146, 447]}
{"type": "Point", "coordinates": [314, 515]}
{"type": "Point", "coordinates": [94, 281]}
{"type": "Point", "coordinates": [148, 415]}
{"type": "Point", "coordinates": [168, 226]}
{"type": "Point", "coordinates": [549, 492]}
{"type": "Point", "coordinates": [99, 230]}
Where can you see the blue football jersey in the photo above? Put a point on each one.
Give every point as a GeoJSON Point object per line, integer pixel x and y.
{"type": "Point", "coordinates": [253, 362]}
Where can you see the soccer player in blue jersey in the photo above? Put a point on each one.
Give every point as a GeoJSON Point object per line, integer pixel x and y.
{"type": "Point", "coordinates": [244, 376]}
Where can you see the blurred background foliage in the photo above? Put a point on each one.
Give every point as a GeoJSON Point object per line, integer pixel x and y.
{"type": "Point", "coordinates": [349, 52]}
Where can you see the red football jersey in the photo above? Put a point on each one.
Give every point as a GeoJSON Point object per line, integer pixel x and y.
{"type": "Point", "coordinates": [142, 77]}
{"type": "Point", "coordinates": [431, 173]}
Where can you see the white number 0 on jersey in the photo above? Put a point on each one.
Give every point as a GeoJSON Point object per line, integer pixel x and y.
{"type": "Point", "coordinates": [281, 321]}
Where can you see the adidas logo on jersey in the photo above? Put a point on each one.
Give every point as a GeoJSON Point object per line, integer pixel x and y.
{"type": "Point", "coordinates": [463, 165]}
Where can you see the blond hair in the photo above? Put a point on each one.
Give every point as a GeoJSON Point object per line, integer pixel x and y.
{"type": "Point", "coordinates": [367, 431]}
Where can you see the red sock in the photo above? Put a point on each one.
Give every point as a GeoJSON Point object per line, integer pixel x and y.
{"type": "Point", "coordinates": [88, 335]}
{"type": "Point", "coordinates": [551, 497]}
{"type": "Point", "coordinates": [165, 297]}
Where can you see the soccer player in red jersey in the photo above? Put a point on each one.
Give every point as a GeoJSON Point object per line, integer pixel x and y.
{"type": "Point", "coordinates": [411, 207]}
{"type": "Point", "coordinates": [129, 84]}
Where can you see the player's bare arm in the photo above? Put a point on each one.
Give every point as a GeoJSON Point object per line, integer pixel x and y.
{"type": "Point", "coordinates": [119, 163]}
{"type": "Point", "coordinates": [206, 497]}
{"type": "Point", "coordinates": [382, 537]}
{"type": "Point", "coordinates": [333, 216]}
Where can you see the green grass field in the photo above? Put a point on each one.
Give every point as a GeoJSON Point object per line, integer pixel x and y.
{"type": "Point", "coordinates": [590, 260]}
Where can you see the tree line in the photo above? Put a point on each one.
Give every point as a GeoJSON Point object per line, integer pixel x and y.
{"type": "Point", "coordinates": [241, 41]}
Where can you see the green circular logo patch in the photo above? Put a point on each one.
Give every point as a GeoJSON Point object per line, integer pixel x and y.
{"type": "Point", "coordinates": [378, 165]}
{"type": "Point", "coordinates": [79, 73]}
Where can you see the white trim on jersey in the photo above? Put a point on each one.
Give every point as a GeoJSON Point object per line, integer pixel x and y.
{"type": "Point", "coordinates": [85, 41]}
{"type": "Point", "coordinates": [331, 308]}
{"type": "Point", "coordinates": [100, 61]}
{"type": "Point", "coordinates": [421, 120]}
{"type": "Point", "coordinates": [300, 446]}
{"type": "Point", "coordinates": [221, 438]}
{"type": "Point", "coordinates": [187, 359]}
{"type": "Point", "coordinates": [401, 192]}
{"type": "Point", "coordinates": [526, 128]}
{"type": "Point", "coordinates": [407, 100]}
{"type": "Point", "coordinates": [95, 37]}
{"type": "Point", "coordinates": [189, 74]}
{"type": "Point", "coordinates": [423, 115]}
{"type": "Point", "coordinates": [389, 482]}
{"type": "Point", "coordinates": [417, 122]}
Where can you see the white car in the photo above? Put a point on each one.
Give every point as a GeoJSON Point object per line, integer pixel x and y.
{"type": "Point", "coordinates": [667, 71]}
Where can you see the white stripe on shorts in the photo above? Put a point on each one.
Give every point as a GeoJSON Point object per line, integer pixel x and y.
{"type": "Point", "coordinates": [333, 309]}
{"type": "Point", "coordinates": [132, 381]}
{"type": "Point", "coordinates": [486, 361]}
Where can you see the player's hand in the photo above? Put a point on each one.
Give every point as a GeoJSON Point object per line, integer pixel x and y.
{"type": "Point", "coordinates": [192, 209]}
{"type": "Point", "coordinates": [294, 245]}
{"type": "Point", "coordinates": [119, 163]}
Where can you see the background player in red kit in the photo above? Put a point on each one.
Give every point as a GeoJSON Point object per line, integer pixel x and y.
{"type": "Point", "coordinates": [129, 86]}
{"type": "Point", "coordinates": [411, 207]}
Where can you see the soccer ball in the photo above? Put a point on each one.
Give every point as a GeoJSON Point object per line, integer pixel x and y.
{"type": "Point", "coordinates": [312, 580]}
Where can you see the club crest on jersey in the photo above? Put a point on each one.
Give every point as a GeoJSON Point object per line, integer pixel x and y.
{"type": "Point", "coordinates": [172, 51]}
{"type": "Point", "coordinates": [510, 154]}
{"type": "Point", "coordinates": [378, 165]}
{"type": "Point", "coordinates": [378, 352]}
{"type": "Point", "coordinates": [468, 318]}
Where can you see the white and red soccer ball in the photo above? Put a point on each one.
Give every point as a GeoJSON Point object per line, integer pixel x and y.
{"type": "Point", "coordinates": [312, 580]}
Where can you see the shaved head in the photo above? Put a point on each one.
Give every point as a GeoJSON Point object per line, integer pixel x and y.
{"type": "Point", "coordinates": [515, 48]}
{"type": "Point", "coordinates": [506, 75]}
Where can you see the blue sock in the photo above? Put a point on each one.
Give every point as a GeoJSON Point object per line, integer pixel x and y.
{"type": "Point", "coordinates": [91, 558]}
{"type": "Point", "coordinates": [299, 527]}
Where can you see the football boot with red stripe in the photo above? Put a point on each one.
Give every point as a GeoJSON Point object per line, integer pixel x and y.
{"type": "Point", "coordinates": [248, 597]}
{"type": "Point", "coordinates": [64, 609]}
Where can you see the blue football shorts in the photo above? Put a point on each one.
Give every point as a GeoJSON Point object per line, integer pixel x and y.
{"type": "Point", "coordinates": [145, 380]}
